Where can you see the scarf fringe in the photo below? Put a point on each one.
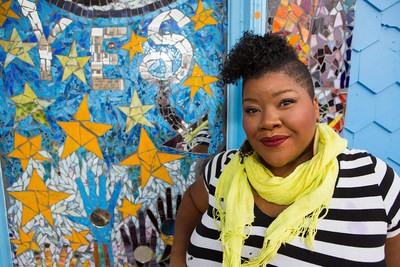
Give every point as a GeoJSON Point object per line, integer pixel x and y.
{"type": "Point", "coordinates": [306, 229]}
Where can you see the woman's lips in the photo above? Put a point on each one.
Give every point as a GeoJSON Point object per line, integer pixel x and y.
{"type": "Point", "coordinates": [273, 141]}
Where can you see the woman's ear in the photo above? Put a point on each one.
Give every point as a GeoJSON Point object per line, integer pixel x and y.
{"type": "Point", "coordinates": [316, 108]}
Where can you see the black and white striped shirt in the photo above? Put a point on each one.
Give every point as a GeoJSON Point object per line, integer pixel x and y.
{"type": "Point", "coordinates": [364, 211]}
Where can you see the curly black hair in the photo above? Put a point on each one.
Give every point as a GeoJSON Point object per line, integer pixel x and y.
{"type": "Point", "coordinates": [255, 55]}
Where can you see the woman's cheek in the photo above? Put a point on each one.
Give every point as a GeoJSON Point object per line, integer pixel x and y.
{"type": "Point", "coordinates": [246, 123]}
{"type": "Point", "coordinates": [249, 127]}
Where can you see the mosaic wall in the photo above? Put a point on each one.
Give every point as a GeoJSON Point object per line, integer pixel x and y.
{"type": "Point", "coordinates": [105, 109]}
{"type": "Point", "coordinates": [321, 31]}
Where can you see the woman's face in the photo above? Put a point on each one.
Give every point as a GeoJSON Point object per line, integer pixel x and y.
{"type": "Point", "coordinates": [279, 119]}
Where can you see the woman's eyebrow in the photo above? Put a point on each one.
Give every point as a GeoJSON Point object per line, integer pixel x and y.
{"type": "Point", "coordinates": [273, 95]}
{"type": "Point", "coordinates": [249, 99]}
{"type": "Point", "coordinates": [284, 91]}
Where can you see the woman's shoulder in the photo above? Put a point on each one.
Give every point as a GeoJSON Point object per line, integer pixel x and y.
{"type": "Point", "coordinates": [352, 158]}
{"type": "Point", "coordinates": [217, 164]}
{"type": "Point", "coordinates": [221, 159]}
{"type": "Point", "coordinates": [354, 163]}
{"type": "Point", "coordinates": [225, 156]}
{"type": "Point", "coordinates": [363, 175]}
{"type": "Point", "coordinates": [358, 158]}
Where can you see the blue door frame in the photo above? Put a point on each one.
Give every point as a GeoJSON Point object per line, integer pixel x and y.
{"type": "Point", "coordinates": [241, 17]}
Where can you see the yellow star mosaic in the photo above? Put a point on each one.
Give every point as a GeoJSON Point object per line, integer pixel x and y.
{"type": "Point", "coordinates": [82, 132]}
{"type": "Point", "coordinates": [27, 148]}
{"type": "Point", "coordinates": [135, 113]}
{"type": "Point", "coordinates": [37, 199]}
{"type": "Point", "coordinates": [16, 48]}
{"type": "Point", "coordinates": [25, 241]}
{"type": "Point", "coordinates": [77, 239]}
{"type": "Point", "coordinates": [129, 208]}
{"type": "Point", "coordinates": [134, 45]}
{"type": "Point", "coordinates": [6, 12]}
{"type": "Point", "coordinates": [203, 17]}
{"type": "Point", "coordinates": [150, 160]}
{"type": "Point", "coordinates": [73, 64]}
{"type": "Point", "coordinates": [28, 104]}
{"type": "Point", "coordinates": [199, 80]}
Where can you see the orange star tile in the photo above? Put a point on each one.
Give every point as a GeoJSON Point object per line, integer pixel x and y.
{"type": "Point", "coordinates": [25, 242]}
{"type": "Point", "coordinates": [203, 17]}
{"type": "Point", "coordinates": [6, 12]}
{"type": "Point", "coordinates": [150, 160]}
{"type": "Point", "coordinates": [134, 45]}
{"type": "Point", "coordinates": [77, 239]}
{"type": "Point", "coordinates": [199, 80]}
{"type": "Point", "coordinates": [83, 132]}
{"type": "Point", "coordinates": [27, 148]}
{"type": "Point", "coordinates": [129, 208]}
{"type": "Point", "coordinates": [37, 199]}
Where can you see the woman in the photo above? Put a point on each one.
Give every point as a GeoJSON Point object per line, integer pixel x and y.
{"type": "Point", "coordinates": [293, 194]}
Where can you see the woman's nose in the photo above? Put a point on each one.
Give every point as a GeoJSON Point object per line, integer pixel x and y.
{"type": "Point", "coordinates": [269, 121]}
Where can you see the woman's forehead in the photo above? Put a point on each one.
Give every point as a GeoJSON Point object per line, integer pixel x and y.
{"type": "Point", "coordinates": [277, 81]}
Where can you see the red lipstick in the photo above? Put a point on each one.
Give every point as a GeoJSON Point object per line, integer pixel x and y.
{"type": "Point", "coordinates": [273, 141]}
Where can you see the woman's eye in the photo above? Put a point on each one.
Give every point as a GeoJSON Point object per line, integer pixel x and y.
{"type": "Point", "coordinates": [251, 110]}
{"type": "Point", "coordinates": [286, 102]}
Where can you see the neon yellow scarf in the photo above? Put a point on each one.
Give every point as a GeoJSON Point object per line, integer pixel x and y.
{"type": "Point", "coordinates": [308, 191]}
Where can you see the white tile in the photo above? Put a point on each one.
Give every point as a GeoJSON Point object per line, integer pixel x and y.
{"type": "Point", "coordinates": [97, 32]}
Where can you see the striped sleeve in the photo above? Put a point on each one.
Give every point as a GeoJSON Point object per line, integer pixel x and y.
{"type": "Point", "coordinates": [204, 248]}
{"type": "Point", "coordinates": [215, 166]}
{"type": "Point", "coordinates": [390, 191]}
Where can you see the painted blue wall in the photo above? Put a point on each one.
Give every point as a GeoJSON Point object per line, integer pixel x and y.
{"type": "Point", "coordinates": [372, 119]}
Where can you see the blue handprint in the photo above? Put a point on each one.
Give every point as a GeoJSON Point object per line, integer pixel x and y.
{"type": "Point", "coordinates": [100, 214]}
